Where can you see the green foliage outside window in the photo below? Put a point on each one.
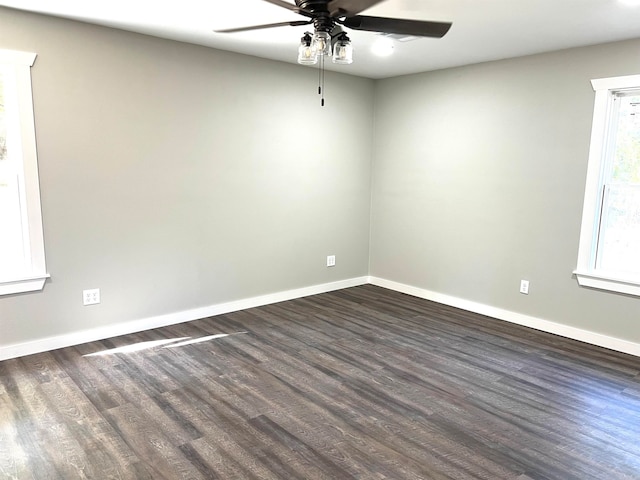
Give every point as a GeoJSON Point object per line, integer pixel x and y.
{"type": "Point", "coordinates": [626, 164]}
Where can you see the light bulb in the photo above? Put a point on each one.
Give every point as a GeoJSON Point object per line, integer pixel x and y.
{"type": "Point", "coordinates": [382, 47]}
{"type": "Point", "coordinates": [343, 51]}
{"type": "Point", "coordinates": [306, 55]}
{"type": "Point", "coordinates": [321, 43]}
{"type": "Point", "coordinates": [306, 52]}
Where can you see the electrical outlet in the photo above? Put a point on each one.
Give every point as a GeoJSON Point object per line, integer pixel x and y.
{"type": "Point", "coordinates": [91, 297]}
{"type": "Point", "coordinates": [331, 261]}
{"type": "Point", "coordinates": [524, 287]}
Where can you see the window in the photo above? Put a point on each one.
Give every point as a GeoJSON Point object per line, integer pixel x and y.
{"type": "Point", "coordinates": [609, 253]}
{"type": "Point", "coordinates": [22, 265]}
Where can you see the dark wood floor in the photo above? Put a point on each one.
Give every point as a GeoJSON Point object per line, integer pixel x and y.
{"type": "Point", "coordinates": [361, 383]}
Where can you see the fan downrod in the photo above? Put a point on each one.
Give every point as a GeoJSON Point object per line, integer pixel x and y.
{"type": "Point", "coordinates": [322, 21]}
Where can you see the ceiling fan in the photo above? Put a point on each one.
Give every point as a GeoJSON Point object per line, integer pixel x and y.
{"type": "Point", "coordinates": [328, 15]}
{"type": "Point", "coordinates": [325, 14]}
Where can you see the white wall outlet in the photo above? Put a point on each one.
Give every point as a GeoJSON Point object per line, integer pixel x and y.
{"type": "Point", "coordinates": [331, 261]}
{"type": "Point", "coordinates": [524, 287]}
{"type": "Point", "coordinates": [91, 297]}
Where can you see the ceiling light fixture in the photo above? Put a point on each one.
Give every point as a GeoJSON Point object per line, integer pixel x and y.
{"type": "Point", "coordinates": [313, 47]}
{"type": "Point", "coordinates": [383, 46]}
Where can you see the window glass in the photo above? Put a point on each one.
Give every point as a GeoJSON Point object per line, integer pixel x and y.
{"type": "Point", "coordinates": [22, 261]}
{"type": "Point", "coordinates": [12, 255]}
{"type": "Point", "coordinates": [619, 238]}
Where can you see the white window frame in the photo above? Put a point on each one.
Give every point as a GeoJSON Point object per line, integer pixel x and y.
{"type": "Point", "coordinates": [586, 272]}
{"type": "Point", "coordinates": [34, 275]}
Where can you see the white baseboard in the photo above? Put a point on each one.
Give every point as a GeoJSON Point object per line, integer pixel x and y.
{"type": "Point", "coordinates": [84, 336]}
{"type": "Point", "coordinates": [574, 333]}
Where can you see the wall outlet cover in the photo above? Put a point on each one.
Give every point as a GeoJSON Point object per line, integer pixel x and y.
{"type": "Point", "coordinates": [91, 297]}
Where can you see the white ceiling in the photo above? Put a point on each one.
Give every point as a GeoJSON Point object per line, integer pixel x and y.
{"type": "Point", "coordinates": [482, 30]}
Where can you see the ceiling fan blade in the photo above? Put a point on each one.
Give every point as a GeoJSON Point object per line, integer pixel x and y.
{"type": "Point", "coordinates": [296, 23]}
{"type": "Point", "coordinates": [416, 28]}
{"type": "Point", "coordinates": [289, 6]}
{"type": "Point", "coordinates": [349, 8]}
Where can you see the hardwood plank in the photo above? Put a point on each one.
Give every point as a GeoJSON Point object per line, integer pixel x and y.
{"type": "Point", "coordinates": [359, 383]}
{"type": "Point", "coordinates": [148, 441]}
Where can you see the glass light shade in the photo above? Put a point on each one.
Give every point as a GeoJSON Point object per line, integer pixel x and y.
{"type": "Point", "coordinates": [306, 55]}
{"type": "Point", "coordinates": [321, 43]}
{"type": "Point", "coordinates": [343, 52]}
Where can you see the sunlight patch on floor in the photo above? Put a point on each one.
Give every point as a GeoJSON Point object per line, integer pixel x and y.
{"type": "Point", "coordinates": [166, 343]}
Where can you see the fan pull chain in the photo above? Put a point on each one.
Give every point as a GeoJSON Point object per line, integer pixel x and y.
{"type": "Point", "coordinates": [320, 76]}
{"type": "Point", "coordinates": [321, 80]}
{"type": "Point", "coordinates": [322, 100]}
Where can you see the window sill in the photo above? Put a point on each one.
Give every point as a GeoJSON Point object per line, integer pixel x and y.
{"type": "Point", "coordinates": [22, 285]}
{"type": "Point", "coordinates": [612, 284]}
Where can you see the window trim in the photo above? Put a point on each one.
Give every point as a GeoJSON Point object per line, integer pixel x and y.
{"type": "Point", "coordinates": [35, 277]}
{"type": "Point", "coordinates": [586, 272]}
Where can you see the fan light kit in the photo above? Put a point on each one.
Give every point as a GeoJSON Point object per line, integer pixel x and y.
{"type": "Point", "coordinates": [318, 45]}
{"type": "Point", "coordinates": [328, 38]}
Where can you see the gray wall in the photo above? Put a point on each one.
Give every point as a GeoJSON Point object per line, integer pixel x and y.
{"type": "Point", "coordinates": [478, 182]}
{"type": "Point", "coordinates": [175, 176]}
